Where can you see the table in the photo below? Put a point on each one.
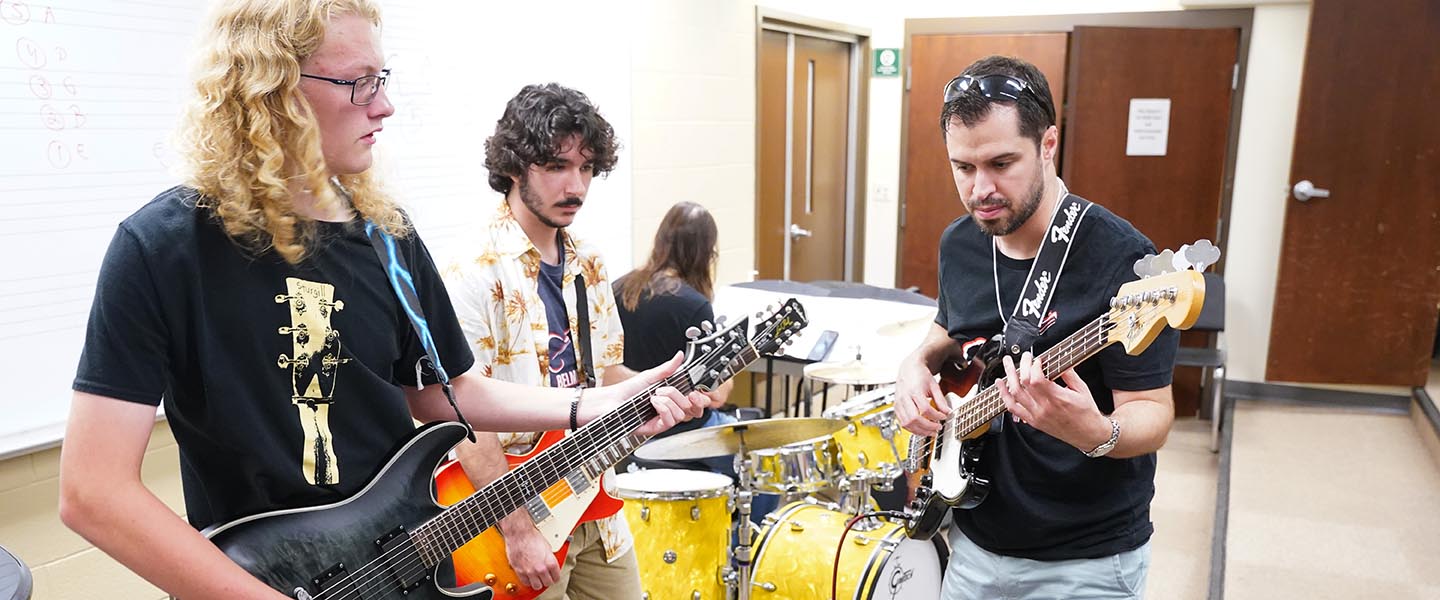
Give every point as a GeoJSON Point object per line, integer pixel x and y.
{"type": "Point", "coordinates": [875, 326]}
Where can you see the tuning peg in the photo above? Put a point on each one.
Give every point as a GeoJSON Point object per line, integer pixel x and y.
{"type": "Point", "coordinates": [705, 347]}
{"type": "Point", "coordinates": [720, 320]}
{"type": "Point", "coordinates": [1164, 262]}
{"type": "Point", "coordinates": [1142, 266]}
{"type": "Point", "coordinates": [1201, 254]}
{"type": "Point", "coordinates": [707, 326]}
{"type": "Point", "coordinates": [692, 332]}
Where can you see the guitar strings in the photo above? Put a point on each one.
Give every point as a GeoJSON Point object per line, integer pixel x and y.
{"type": "Point", "coordinates": [1073, 350]}
{"type": "Point", "coordinates": [361, 582]}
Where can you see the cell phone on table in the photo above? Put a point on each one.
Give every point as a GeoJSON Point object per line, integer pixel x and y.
{"type": "Point", "coordinates": [823, 345]}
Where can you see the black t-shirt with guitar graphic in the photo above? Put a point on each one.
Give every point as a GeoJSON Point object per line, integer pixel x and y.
{"type": "Point", "coordinates": [281, 383]}
{"type": "Point", "coordinates": [1047, 500]}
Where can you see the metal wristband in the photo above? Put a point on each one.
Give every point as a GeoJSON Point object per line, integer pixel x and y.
{"type": "Point", "coordinates": [1109, 444]}
{"type": "Point", "coordinates": [575, 409]}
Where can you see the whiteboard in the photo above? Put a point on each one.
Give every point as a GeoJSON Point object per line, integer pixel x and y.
{"type": "Point", "coordinates": [90, 93]}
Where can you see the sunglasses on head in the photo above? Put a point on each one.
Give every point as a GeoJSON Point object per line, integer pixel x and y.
{"type": "Point", "coordinates": [995, 87]}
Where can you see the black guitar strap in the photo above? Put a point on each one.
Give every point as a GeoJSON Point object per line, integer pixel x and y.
{"type": "Point", "coordinates": [398, 272]}
{"type": "Point", "coordinates": [1025, 322]}
{"type": "Point", "coordinates": [582, 321]}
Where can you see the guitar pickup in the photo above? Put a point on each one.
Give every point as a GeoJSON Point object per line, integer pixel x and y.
{"type": "Point", "coordinates": [537, 509]}
{"type": "Point", "coordinates": [406, 580]}
{"type": "Point", "coordinates": [578, 482]}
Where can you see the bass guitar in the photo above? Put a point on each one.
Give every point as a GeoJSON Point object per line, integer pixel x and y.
{"type": "Point", "coordinates": [385, 541]}
{"type": "Point", "coordinates": [1137, 314]}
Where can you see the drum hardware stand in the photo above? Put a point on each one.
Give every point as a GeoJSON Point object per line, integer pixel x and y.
{"type": "Point", "coordinates": [738, 578]}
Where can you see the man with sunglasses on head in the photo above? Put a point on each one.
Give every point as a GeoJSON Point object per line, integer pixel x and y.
{"type": "Point", "coordinates": [254, 302]}
{"type": "Point", "coordinates": [1071, 471]}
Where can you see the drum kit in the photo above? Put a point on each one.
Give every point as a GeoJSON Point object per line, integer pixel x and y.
{"type": "Point", "coordinates": [695, 540]}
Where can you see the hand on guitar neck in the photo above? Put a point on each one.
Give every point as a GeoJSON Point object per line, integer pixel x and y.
{"type": "Point", "coordinates": [1066, 412]}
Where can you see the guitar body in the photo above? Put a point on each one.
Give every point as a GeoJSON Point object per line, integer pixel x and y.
{"type": "Point", "coordinates": [359, 546]}
{"type": "Point", "coordinates": [385, 541]}
{"type": "Point", "coordinates": [483, 559]}
{"type": "Point", "coordinates": [952, 463]}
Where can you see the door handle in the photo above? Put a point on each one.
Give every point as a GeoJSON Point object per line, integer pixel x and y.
{"type": "Point", "coordinates": [797, 232]}
{"type": "Point", "coordinates": [1305, 190]}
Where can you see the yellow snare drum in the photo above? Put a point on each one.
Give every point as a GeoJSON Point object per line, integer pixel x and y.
{"type": "Point", "coordinates": [874, 442]}
{"type": "Point", "coordinates": [802, 467]}
{"type": "Point", "coordinates": [796, 556]}
{"type": "Point", "coordinates": [681, 522]}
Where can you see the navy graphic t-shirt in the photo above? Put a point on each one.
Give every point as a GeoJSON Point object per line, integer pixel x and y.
{"type": "Point", "coordinates": [562, 352]}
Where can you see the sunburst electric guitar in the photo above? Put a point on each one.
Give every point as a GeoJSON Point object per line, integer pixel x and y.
{"type": "Point", "coordinates": [385, 541]}
{"type": "Point", "coordinates": [1137, 314]}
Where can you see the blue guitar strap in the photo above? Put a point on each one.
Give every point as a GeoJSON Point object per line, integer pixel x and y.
{"type": "Point", "coordinates": [396, 270]}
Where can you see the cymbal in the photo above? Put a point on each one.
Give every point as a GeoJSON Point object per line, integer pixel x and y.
{"type": "Point", "coordinates": [724, 440]}
{"type": "Point", "coordinates": [851, 373]}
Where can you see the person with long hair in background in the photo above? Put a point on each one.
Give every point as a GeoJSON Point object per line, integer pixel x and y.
{"type": "Point", "coordinates": [671, 293]}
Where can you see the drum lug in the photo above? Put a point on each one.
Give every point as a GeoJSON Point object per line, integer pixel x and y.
{"type": "Point", "coordinates": [695, 594]}
{"type": "Point", "coordinates": [864, 460]}
{"type": "Point", "coordinates": [765, 585]}
{"type": "Point", "coordinates": [644, 513]}
{"type": "Point", "coordinates": [695, 513]}
{"type": "Point", "coordinates": [851, 429]}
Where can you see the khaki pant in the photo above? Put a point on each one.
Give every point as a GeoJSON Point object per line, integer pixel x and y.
{"type": "Point", "coordinates": [586, 576]}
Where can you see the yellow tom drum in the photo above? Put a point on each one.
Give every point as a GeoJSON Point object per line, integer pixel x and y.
{"type": "Point", "coordinates": [799, 468]}
{"type": "Point", "coordinates": [873, 442]}
{"type": "Point", "coordinates": [796, 557]}
{"type": "Point", "coordinates": [681, 523]}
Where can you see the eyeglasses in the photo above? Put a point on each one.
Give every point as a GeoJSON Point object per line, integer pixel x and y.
{"type": "Point", "coordinates": [995, 87]}
{"type": "Point", "coordinates": [362, 89]}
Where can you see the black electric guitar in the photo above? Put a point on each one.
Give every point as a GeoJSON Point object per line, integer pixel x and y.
{"type": "Point", "coordinates": [385, 541]}
{"type": "Point", "coordinates": [1137, 314]}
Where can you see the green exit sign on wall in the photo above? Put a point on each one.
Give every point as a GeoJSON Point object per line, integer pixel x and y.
{"type": "Point", "coordinates": [887, 62]}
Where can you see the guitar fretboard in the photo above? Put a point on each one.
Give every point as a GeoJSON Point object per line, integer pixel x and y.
{"type": "Point", "coordinates": [589, 451]}
{"type": "Point", "coordinates": [1061, 357]}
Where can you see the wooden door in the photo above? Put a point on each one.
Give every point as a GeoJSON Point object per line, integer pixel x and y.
{"type": "Point", "coordinates": [1359, 280]}
{"type": "Point", "coordinates": [1173, 199]}
{"type": "Point", "coordinates": [929, 200]}
{"type": "Point", "coordinates": [816, 75]}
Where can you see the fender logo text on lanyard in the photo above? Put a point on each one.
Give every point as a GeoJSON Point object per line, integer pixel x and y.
{"type": "Point", "coordinates": [1020, 332]}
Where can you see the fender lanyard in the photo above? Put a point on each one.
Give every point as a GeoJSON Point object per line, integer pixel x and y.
{"type": "Point", "coordinates": [1023, 326]}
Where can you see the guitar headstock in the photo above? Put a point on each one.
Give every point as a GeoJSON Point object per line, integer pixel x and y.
{"type": "Point", "coordinates": [1171, 292]}
{"type": "Point", "coordinates": [724, 351]}
{"type": "Point", "coordinates": [779, 329]}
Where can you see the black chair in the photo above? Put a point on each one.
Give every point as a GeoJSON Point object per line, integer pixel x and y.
{"type": "Point", "coordinates": [15, 583]}
{"type": "Point", "coordinates": [1210, 360]}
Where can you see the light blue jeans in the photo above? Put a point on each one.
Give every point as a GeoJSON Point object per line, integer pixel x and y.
{"type": "Point", "coordinates": [976, 573]}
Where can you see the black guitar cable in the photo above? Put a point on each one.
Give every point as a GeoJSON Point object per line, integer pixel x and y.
{"type": "Point", "coordinates": [835, 568]}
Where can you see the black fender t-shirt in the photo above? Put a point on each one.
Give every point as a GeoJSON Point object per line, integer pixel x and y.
{"type": "Point", "coordinates": [1047, 500]}
{"type": "Point", "coordinates": [281, 383]}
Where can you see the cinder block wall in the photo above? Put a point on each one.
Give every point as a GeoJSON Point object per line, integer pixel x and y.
{"type": "Point", "coordinates": [65, 566]}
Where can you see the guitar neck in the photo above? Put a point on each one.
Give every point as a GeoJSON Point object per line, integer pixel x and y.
{"type": "Point", "coordinates": [594, 448]}
{"type": "Point", "coordinates": [1073, 350]}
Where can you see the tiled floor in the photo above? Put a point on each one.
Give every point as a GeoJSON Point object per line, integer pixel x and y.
{"type": "Point", "coordinates": [1329, 503]}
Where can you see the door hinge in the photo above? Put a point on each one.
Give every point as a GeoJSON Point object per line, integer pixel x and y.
{"type": "Point", "coordinates": [1235, 77]}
